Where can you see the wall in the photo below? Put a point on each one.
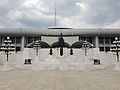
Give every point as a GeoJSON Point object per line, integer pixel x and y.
{"type": "Point", "coordinates": [51, 40]}
{"type": "Point", "coordinates": [78, 56]}
{"type": "Point", "coordinates": [14, 58]}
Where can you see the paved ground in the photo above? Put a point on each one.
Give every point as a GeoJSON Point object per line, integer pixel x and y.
{"type": "Point", "coordinates": [59, 80]}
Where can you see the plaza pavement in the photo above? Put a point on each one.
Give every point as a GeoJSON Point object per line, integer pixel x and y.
{"type": "Point", "coordinates": [18, 79]}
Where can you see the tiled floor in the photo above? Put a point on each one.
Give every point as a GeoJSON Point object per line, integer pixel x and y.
{"type": "Point", "coordinates": [59, 80]}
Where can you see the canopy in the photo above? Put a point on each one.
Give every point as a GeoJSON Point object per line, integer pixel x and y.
{"type": "Point", "coordinates": [56, 44]}
{"type": "Point", "coordinates": [79, 44]}
{"type": "Point", "coordinates": [40, 43]}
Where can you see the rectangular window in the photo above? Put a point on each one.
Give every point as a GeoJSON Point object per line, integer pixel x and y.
{"type": "Point", "coordinates": [101, 40]}
{"type": "Point", "coordinates": [18, 40]}
{"type": "Point", "coordinates": [112, 39]}
{"type": "Point", "coordinates": [107, 41]}
{"type": "Point", "coordinates": [0, 40]}
{"type": "Point", "coordinates": [12, 39]}
{"type": "Point", "coordinates": [89, 39]}
{"type": "Point", "coordinates": [30, 40]}
{"type": "Point", "coordinates": [36, 38]}
{"type": "Point", "coordinates": [82, 38]}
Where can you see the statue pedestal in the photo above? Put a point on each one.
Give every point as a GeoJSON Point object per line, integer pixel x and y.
{"type": "Point", "coordinates": [35, 64]}
{"type": "Point", "coordinates": [36, 60]}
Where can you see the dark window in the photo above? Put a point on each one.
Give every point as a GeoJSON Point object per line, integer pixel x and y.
{"type": "Point", "coordinates": [79, 38]}
{"type": "Point", "coordinates": [89, 39]}
{"type": "Point", "coordinates": [101, 48]}
{"type": "Point", "coordinates": [18, 40]}
{"type": "Point", "coordinates": [2, 39]}
{"type": "Point", "coordinates": [12, 39]}
{"type": "Point", "coordinates": [101, 40]}
{"type": "Point", "coordinates": [30, 40]}
{"type": "Point", "coordinates": [26, 41]}
{"type": "Point", "coordinates": [107, 41]}
{"type": "Point", "coordinates": [112, 39]}
{"type": "Point", "coordinates": [36, 38]}
{"type": "Point", "coordinates": [83, 38]}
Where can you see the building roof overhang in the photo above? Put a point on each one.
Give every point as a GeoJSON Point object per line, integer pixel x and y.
{"type": "Point", "coordinates": [58, 31]}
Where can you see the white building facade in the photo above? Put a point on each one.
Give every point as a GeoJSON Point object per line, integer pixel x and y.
{"type": "Point", "coordinates": [100, 38]}
{"type": "Point", "coordinates": [21, 37]}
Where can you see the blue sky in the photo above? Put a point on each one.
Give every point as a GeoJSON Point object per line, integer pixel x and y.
{"type": "Point", "coordinates": [70, 13]}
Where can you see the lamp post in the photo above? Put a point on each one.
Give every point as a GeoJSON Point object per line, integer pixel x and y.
{"type": "Point", "coordinates": [7, 47]}
{"type": "Point", "coordinates": [37, 45]}
{"type": "Point", "coordinates": [116, 47]}
{"type": "Point", "coordinates": [86, 46]}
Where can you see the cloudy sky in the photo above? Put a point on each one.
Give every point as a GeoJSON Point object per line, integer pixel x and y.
{"type": "Point", "coordinates": [70, 13]}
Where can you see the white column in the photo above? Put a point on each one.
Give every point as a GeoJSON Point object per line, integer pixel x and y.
{"type": "Point", "coordinates": [22, 43]}
{"type": "Point", "coordinates": [96, 42]}
{"type": "Point", "coordinates": [96, 49]}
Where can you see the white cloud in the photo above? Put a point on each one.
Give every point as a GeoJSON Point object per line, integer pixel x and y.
{"type": "Point", "coordinates": [70, 13]}
{"type": "Point", "coordinates": [114, 25]}
{"type": "Point", "coordinates": [82, 6]}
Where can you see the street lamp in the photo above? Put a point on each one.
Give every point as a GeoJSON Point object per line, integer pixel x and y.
{"type": "Point", "coordinates": [37, 46]}
{"type": "Point", "coordinates": [7, 47]}
{"type": "Point", "coordinates": [116, 47]}
{"type": "Point", "coordinates": [86, 46]}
